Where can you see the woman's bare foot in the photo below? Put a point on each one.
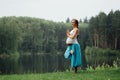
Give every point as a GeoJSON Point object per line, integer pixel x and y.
{"type": "Point", "coordinates": [71, 52]}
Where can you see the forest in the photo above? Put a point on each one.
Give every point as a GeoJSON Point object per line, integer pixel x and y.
{"type": "Point", "coordinates": [34, 45]}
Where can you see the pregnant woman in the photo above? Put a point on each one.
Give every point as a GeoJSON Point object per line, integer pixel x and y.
{"type": "Point", "coordinates": [73, 51]}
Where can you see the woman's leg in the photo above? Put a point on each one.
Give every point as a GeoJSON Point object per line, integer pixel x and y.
{"type": "Point", "coordinates": [75, 70]}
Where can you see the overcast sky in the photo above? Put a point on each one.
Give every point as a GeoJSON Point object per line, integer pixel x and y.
{"type": "Point", "coordinates": [57, 10]}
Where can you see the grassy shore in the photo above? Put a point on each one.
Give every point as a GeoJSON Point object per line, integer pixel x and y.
{"type": "Point", "coordinates": [107, 74]}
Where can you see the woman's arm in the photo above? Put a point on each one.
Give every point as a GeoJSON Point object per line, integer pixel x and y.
{"type": "Point", "coordinates": [73, 35]}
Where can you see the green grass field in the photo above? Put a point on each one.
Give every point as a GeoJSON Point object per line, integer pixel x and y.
{"type": "Point", "coordinates": [108, 74]}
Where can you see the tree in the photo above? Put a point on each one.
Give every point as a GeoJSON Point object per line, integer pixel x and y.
{"type": "Point", "coordinates": [80, 20]}
{"type": "Point", "coordinates": [85, 20]}
{"type": "Point", "coordinates": [10, 38]}
{"type": "Point", "coordinates": [116, 22]}
{"type": "Point", "coordinates": [102, 19]}
{"type": "Point", "coordinates": [67, 20]}
{"type": "Point", "coordinates": [105, 29]}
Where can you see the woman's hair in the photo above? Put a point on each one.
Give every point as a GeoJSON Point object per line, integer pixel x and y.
{"type": "Point", "coordinates": [76, 22]}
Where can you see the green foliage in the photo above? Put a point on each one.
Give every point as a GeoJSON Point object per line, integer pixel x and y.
{"type": "Point", "coordinates": [115, 65]}
{"type": "Point", "coordinates": [104, 30]}
{"type": "Point", "coordinates": [89, 68]}
{"type": "Point", "coordinates": [10, 35]}
{"type": "Point", "coordinates": [97, 56]}
{"type": "Point", "coordinates": [9, 63]}
{"type": "Point", "coordinates": [10, 39]}
{"type": "Point", "coordinates": [102, 67]}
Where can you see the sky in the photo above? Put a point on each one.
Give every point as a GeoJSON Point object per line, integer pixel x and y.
{"type": "Point", "coordinates": [57, 10]}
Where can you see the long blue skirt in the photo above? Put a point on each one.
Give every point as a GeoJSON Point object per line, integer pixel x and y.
{"type": "Point", "coordinates": [76, 58]}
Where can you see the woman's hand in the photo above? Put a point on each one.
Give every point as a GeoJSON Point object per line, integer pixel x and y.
{"type": "Point", "coordinates": [73, 35]}
{"type": "Point", "coordinates": [67, 33]}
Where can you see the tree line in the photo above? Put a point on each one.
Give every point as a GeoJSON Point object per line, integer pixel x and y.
{"type": "Point", "coordinates": [105, 30]}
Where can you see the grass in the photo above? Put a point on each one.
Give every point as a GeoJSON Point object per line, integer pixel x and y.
{"type": "Point", "coordinates": [107, 74]}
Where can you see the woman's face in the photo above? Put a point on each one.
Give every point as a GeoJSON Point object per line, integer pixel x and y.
{"type": "Point", "coordinates": [73, 23]}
